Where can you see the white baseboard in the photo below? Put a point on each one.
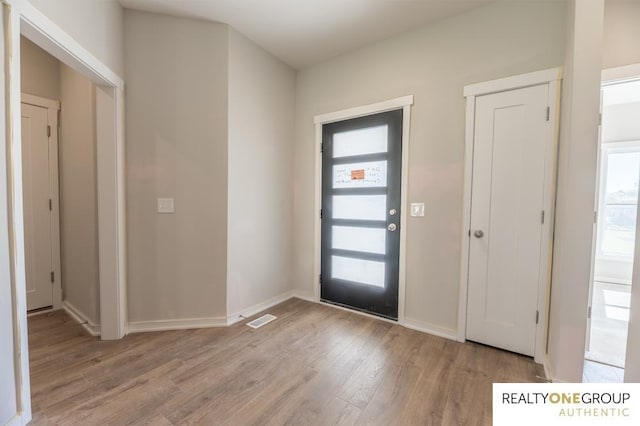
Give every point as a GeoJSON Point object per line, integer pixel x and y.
{"type": "Point", "coordinates": [304, 296]}
{"type": "Point", "coordinates": [176, 324]}
{"type": "Point", "coordinates": [408, 322]}
{"type": "Point", "coordinates": [435, 330]}
{"type": "Point", "coordinates": [189, 323]}
{"type": "Point", "coordinates": [76, 314]}
{"type": "Point", "coordinates": [35, 314]}
{"type": "Point", "coordinates": [19, 419]}
{"type": "Point", "coordinates": [259, 307]}
{"type": "Point", "coordinates": [547, 369]}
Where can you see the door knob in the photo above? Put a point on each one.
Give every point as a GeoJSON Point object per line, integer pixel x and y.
{"type": "Point", "coordinates": [392, 227]}
{"type": "Point", "coordinates": [478, 234]}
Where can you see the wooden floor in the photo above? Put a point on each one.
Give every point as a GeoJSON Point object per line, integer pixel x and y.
{"type": "Point", "coordinates": [313, 365]}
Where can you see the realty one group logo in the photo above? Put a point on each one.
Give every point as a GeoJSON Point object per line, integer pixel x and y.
{"type": "Point", "coordinates": [566, 404]}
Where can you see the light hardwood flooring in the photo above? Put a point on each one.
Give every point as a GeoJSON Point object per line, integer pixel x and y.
{"type": "Point", "coordinates": [313, 365]}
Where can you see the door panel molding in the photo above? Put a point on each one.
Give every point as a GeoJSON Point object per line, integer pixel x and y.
{"type": "Point", "coordinates": [552, 77]}
{"type": "Point", "coordinates": [405, 103]}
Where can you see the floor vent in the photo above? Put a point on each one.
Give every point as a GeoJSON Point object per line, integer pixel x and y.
{"type": "Point", "coordinates": [259, 322]}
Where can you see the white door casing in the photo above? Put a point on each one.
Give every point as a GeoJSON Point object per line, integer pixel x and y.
{"type": "Point", "coordinates": [21, 17]}
{"type": "Point", "coordinates": [41, 209]}
{"type": "Point", "coordinates": [509, 196]}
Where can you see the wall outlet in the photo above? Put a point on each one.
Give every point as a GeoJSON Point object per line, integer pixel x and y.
{"type": "Point", "coordinates": [417, 209]}
{"type": "Point", "coordinates": [165, 205]}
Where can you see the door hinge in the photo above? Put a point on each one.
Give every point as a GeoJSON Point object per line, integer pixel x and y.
{"type": "Point", "coordinates": [600, 119]}
{"type": "Point", "coordinates": [50, 204]}
{"type": "Point", "coordinates": [320, 213]}
{"type": "Point", "coordinates": [48, 131]}
{"type": "Point", "coordinates": [589, 313]}
{"type": "Point", "coordinates": [537, 316]}
{"type": "Point", "coordinates": [548, 113]}
{"type": "Point", "coordinates": [320, 279]}
{"type": "Point", "coordinates": [53, 276]}
{"type": "Point", "coordinates": [595, 217]}
{"type": "Point", "coordinates": [321, 147]}
{"type": "Point", "coordinates": [542, 217]}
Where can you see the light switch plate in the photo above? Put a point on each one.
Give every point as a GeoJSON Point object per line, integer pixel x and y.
{"type": "Point", "coordinates": [417, 209]}
{"type": "Point", "coordinates": [165, 205]}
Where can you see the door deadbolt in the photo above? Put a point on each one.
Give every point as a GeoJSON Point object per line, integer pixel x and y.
{"type": "Point", "coordinates": [478, 234]}
{"type": "Point", "coordinates": [392, 227]}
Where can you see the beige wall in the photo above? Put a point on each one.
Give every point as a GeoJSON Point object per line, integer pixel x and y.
{"type": "Point", "coordinates": [433, 64]}
{"type": "Point", "coordinates": [621, 33]}
{"type": "Point", "coordinates": [40, 75]}
{"type": "Point", "coordinates": [43, 75]}
{"type": "Point", "coordinates": [176, 133]}
{"type": "Point", "coordinates": [261, 123]}
{"type": "Point", "coordinates": [78, 197]}
{"type": "Point", "coordinates": [95, 24]}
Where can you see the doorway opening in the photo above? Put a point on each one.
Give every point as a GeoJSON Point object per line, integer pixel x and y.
{"type": "Point", "coordinates": [109, 112]}
{"type": "Point", "coordinates": [361, 188]}
{"type": "Point", "coordinates": [59, 187]}
{"type": "Point", "coordinates": [361, 205]}
{"type": "Point", "coordinates": [615, 232]}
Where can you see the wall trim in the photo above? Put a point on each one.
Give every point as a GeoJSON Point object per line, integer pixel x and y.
{"type": "Point", "coordinates": [26, 98]}
{"type": "Point", "coordinates": [409, 323]}
{"type": "Point", "coordinates": [45, 33]}
{"type": "Point", "coordinates": [258, 307]}
{"type": "Point", "coordinates": [302, 295]}
{"type": "Point", "coordinates": [176, 324]}
{"type": "Point", "coordinates": [405, 103]}
{"type": "Point", "coordinates": [424, 327]}
{"type": "Point", "coordinates": [21, 17]}
{"type": "Point", "coordinates": [547, 369]}
{"type": "Point", "coordinates": [620, 74]}
{"type": "Point", "coordinates": [81, 318]}
{"type": "Point", "coordinates": [513, 82]}
{"type": "Point", "coordinates": [18, 420]}
{"type": "Point", "coordinates": [363, 110]}
{"type": "Point", "coordinates": [552, 77]}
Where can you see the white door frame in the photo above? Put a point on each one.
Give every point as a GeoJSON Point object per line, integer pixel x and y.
{"type": "Point", "coordinates": [53, 107]}
{"type": "Point", "coordinates": [631, 371]}
{"type": "Point", "coordinates": [553, 77]}
{"type": "Point", "coordinates": [23, 18]}
{"type": "Point", "coordinates": [405, 103]}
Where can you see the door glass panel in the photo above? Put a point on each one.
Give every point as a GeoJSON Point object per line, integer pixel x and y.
{"type": "Point", "coordinates": [370, 240]}
{"type": "Point", "coordinates": [358, 270]}
{"type": "Point", "coordinates": [360, 175]}
{"type": "Point", "coordinates": [360, 207]}
{"type": "Point", "coordinates": [369, 140]}
{"type": "Point", "coordinates": [620, 204]}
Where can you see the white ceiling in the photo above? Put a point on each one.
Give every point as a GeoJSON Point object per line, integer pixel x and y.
{"type": "Point", "coordinates": [305, 32]}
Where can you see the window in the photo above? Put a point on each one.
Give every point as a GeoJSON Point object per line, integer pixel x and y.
{"type": "Point", "coordinates": [619, 199]}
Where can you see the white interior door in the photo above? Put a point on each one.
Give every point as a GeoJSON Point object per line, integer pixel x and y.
{"type": "Point", "coordinates": [510, 142]}
{"type": "Point", "coordinates": [37, 206]}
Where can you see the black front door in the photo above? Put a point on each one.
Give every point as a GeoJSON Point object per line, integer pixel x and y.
{"type": "Point", "coordinates": [361, 179]}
